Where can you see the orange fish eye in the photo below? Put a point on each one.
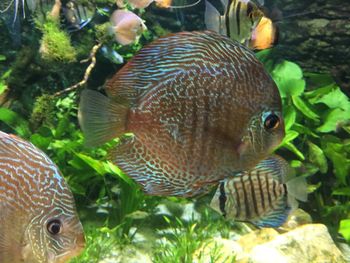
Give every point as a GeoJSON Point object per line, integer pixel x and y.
{"type": "Point", "coordinates": [54, 226]}
{"type": "Point", "coordinates": [271, 122]}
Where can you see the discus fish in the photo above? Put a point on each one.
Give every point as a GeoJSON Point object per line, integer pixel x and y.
{"type": "Point", "coordinates": [126, 26]}
{"type": "Point", "coordinates": [199, 106]}
{"type": "Point", "coordinates": [38, 219]}
{"type": "Point", "coordinates": [263, 196]}
{"type": "Point", "coordinates": [238, 21]}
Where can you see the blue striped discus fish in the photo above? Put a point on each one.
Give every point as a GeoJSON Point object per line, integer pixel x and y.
{"type": "Point", "coordinates": [263, 196]}
{"type": "Point", "coordinates": [38, 219]}
{"type": "Point", "coordinates": [199, 105]}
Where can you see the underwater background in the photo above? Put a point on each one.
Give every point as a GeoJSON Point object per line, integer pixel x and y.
{"type": "Point", "coordinates": [46, 61]}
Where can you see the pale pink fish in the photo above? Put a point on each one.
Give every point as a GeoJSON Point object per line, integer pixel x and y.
{"type": "Point", "coordinates": [126, 26]}
{"type": "Point", "coordinates": [38, 218]}
{"type": "Point", "coordinates": [159, 3]}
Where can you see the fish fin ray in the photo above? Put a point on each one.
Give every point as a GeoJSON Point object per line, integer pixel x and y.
{"type": "Point", "coordinates": [212, 17]}
{"type": "Point", "coordinates": [275, 217]}
{"type": "Point", "coordinates": [101, 118]}
{"type": "Point", "coordinates": [297, 188]}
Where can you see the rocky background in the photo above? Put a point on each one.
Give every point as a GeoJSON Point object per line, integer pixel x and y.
{"type": "Point", "coordinates": [317, 37]}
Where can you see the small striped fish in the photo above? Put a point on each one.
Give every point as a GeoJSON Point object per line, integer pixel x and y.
{"type": "Point", "coordinates": [238, 21]}
{"type": "Point", "coordinates": [38, 219]}
{"type": "Point", "coordinates": [262, 196]}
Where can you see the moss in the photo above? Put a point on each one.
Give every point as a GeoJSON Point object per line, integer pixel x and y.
{"type": "Point", "coordinates": [55, 44]}
{"type": "Point", "coordinates": [43, 112]}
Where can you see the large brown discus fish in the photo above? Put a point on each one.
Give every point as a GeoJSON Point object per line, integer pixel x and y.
{"type": "Point", "coordinates": [38, 219]}
{"type": "Point", "coordinates": [199, 105]}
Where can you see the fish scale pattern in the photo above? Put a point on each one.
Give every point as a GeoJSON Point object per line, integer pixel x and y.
{"type": "Point", "coordinates": [32, 193]}
{"type": "Point", "coordinates": [192, 95]}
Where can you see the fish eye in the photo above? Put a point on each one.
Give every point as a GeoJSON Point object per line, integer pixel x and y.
{"type": "Point", "coordinates": [54, 226]}
{"type": "Point", "coordinates": [271, 122]}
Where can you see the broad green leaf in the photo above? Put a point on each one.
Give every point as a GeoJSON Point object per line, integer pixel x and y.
{"type": "Point", "coordinates": [15, 121]}
{"type": "Point", "coordinates": [335, 152]}
{"type": "Point", "coordinates": [305, 109]}
{"type": "Point", "coordinates": [344, 228]}
{"type": "Point", "coordinates": [291, 147]}
{"type": "Point", "coordinates": [334, 98]}
{"type": "Point", "coordinates": [289, 79]}
{"type": "Point", "coordinates": [333, 119]}
{"type": "Point", "coordinates": [317, 157]}
{"type": "Point", "coordinates": [318, 80]}
{"type": "Point", "coordinates": [2, 58]}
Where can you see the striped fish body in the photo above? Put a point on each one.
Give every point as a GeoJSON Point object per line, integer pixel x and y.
{"type": "Point", "coordinates": [197, 104]}
{"type": "Point", "coordinates": [38, 219]}
{"type": "Point", "coordinates": [238, 21]}
{"type": "Point", "coordinates": [260, 196]}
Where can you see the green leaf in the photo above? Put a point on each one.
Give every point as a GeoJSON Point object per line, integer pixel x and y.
{"type": "Point", "coordinates": [331, 96]}
{"type": "Point", "coordinates": [289, 79]}
{"type": "Point", "coordinates": [95, 164]}
{"type": "Point", "coordinates": [334, 150]}
{"type": "Point", "coordinates": [290, 136]}
{"type": "Point", "coordinates": [344, 228]}
{"type": "Point", "coordinates": [345, 191]}
{"type": "Point", "coordinates": [304, 108]}
{"type": "Point", "coordinates": [3, 87]}
{"type": "Point", "coordinates": [289, 116]}
{"type": "Point", "coordinates": [40, 141]}
{"type": "Point", "coordinates": [333, 120]}
{"type": "Point", "coordinates": [2, 58]}
{"type": "Point", "coordinates": [304, 130]}
{"type": "Point", "coordinates": [289, 146]}
{"type": "Point", "coordinates": [317, 157]}
{"type": "Point", "coordinates": [15, 121]}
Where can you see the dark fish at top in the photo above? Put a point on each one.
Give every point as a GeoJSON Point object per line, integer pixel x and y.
{"type": "Point", "coordinates": [77, 15]}
{"type": "Point", "coordinates": [199, 106]}
{"type": "Point", "coordinates": [38, 219]}
{"type": "Point", "coordinates": [264, 195]}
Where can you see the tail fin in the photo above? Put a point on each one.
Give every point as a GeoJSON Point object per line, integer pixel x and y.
{"type": "Point", "coordinates": [297, 188]}
{"type": "Point", "coordinates": [100, 118]}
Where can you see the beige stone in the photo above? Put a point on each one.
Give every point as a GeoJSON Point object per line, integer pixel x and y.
{"type": "Point", "coordinates": [218, 250]}
{"type": "Point", "coordinates": [306, 244]}
{"type": "Point", "coordinates": [257, 237]}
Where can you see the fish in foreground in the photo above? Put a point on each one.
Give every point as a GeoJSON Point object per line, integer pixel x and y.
{"type": "Point", "coordinates": [38, 219]}
{"type": "Point", "coordinates": [264, 195]}
{"type": "Point", "coordinates": [199, 106]}
{"type": "Point", "coordinates": [126, 26]}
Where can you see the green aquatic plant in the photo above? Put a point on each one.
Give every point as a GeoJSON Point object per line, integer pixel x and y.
{"type": "Point", "coordinates": [317, 144]}
{"type": "Point", "coordinates": [55, 43]}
